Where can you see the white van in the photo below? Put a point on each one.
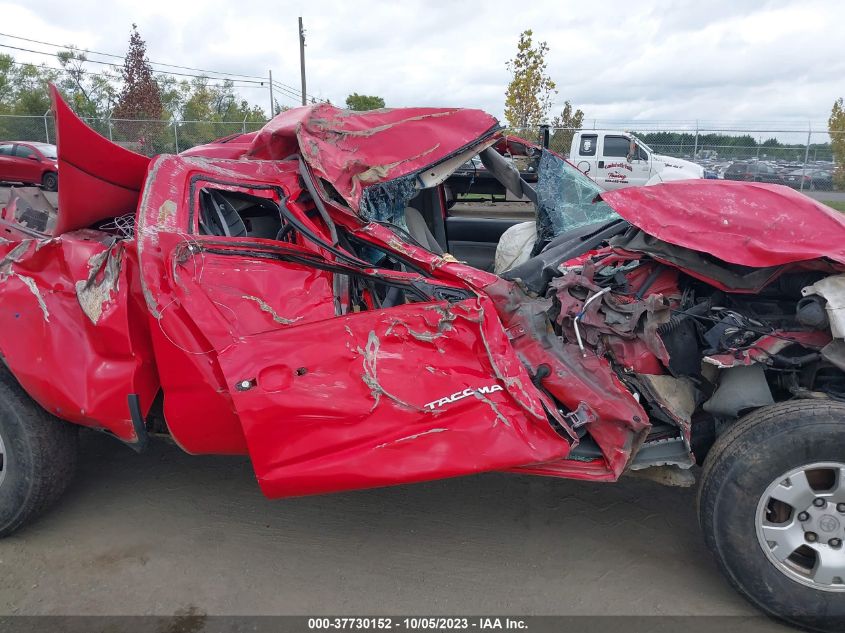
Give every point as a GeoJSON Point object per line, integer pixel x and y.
{"type": "Point", "coordinates": [616, 159]}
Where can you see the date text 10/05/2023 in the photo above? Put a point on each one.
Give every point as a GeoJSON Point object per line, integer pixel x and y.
{"type": "Point", "coordinates": [416, 623]}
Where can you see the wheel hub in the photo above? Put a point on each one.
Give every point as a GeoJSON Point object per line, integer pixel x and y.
{"type": "Point", "coordinates": [828, 523]}
{"type": "Point", "coordinates": [801, 525]}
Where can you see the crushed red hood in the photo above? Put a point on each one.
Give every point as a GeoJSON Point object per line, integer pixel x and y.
{"type": "Point", "coordinates": [750, 224]}
{"type": "Point", "coordinates": [356, 150]}
{"type": "Point", "coordinates": [99, 179]}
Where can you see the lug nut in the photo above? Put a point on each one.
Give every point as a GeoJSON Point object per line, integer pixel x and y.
{"type": "Point", "coordinates": [819, 502]}
{"type": "Point", "coordinates": [803, 516]}
{"type": "Point", "coordinates": [840, 507]}
{"type": "Point", "coordinates": [835, 542]}
{"type": "Point", "coordinates": [811, 537]}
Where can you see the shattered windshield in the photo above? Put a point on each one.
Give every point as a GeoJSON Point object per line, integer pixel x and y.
{"type": "Point", "coordinates": [565, 199]}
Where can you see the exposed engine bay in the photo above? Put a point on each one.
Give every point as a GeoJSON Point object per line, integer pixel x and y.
{"type": "Point", "coordinates": [698, 342]}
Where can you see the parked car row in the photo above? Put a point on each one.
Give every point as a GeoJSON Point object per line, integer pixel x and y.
{"type": "Point", "coordinates": [29, 163]}
{"type": "Point", "coordinates": [817, 176]}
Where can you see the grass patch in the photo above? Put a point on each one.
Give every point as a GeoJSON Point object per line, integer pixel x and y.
{"type": "Point", "coordinates": [839, 205]}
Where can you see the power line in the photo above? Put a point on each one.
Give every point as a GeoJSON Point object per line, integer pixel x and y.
{"type": "Point", "coordinates": [278, 84]}
{"type": "Point", "coordinates": [115, 56]}
{"type": "Point", "coordinates": [290, 92]}
{"type": "Point", "coordinates": [244, 83]}
{"type": "Point", "coordinates": [112, 77]}
{"type": "Point", "coordinates": [113, 65]}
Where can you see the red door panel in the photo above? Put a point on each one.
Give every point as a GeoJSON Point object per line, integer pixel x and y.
{"type": "Point", "coordinates": [405, 394]}
{"type": "Point", "coordinates": [408, 393]}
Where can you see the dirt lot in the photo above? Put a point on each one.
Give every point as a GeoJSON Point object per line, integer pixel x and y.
{"type": "Point", "coordinates": [164, 532]}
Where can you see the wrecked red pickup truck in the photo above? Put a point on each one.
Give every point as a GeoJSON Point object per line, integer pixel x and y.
{"type": "Point", "coordinates": [289, 295]}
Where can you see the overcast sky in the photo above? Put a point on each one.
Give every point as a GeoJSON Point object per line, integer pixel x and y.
{"type": "Point", "coordinates": [718, 60]}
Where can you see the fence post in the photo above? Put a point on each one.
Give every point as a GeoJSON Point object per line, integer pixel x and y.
{"type": "Point", "coordinates": [46, 126]}
{"type": "Point", "coordinates": [111, 125]}
{"type": "Point", "coordinates": [176, 136]}
{"type": "Point", "coordinates": [243, 123]}
{"type": "Point", "coordinates": [806, 156]}
{"type": "Point", "coordinates": [695, 150]}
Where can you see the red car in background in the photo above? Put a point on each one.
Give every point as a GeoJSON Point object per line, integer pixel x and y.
{"type": "Point", "coordinates": [30, 163]}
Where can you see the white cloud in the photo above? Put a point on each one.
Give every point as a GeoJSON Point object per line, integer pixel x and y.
{"type": "Point", "coordinates": [652, 59]}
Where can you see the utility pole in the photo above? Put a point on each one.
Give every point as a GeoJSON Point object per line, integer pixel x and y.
{"type": "Point", "coordinates": [272, 101]}
{"type": "Point", "coordinates": [302, 58]}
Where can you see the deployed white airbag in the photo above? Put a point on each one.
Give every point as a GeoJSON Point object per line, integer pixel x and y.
{"type": "Point", "coordinates": [515, 246]}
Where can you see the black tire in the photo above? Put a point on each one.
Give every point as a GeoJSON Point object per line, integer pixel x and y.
{"type": "Point", "coordinates": [50, 181]}
{"type": "Point", "coordinates": [752, 454]}
{"type": "Point", "coordinates": [40, 456]}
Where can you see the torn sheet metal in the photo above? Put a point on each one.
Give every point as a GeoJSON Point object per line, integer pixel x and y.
{"type": "Point", "coordinates": [750, 224]}
{"type": "Point", "coordinates": [766, 346]}
{"type": "Point", "coordinates": [677, 397]}
{"type": "Point", "coordinates": [29, 208]}
{"type": "Point", "coordinates": [75, 335]}
{"type": "Point", "coordinates": [197, 404]}
{"type": "Point", "coordinates": [740, 388]}
{"type": "Point", "coordinates": [99, 179]}
{"type": "Point", "coordinates": [620, 422]}
{"type": "Point", "coordinates": [355, 414]}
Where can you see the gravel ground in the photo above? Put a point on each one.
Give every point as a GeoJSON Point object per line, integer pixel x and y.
{"type": "Point", "coordinates": [164, 532]}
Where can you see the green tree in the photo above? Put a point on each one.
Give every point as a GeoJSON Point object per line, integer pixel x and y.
{"type": "Point", "coordinates": [90, 94]}
{"type": "Point", "coordinates": [174, 94]}
{"type": "Point", "coordinates": [23, 87]}
{"type": "Point", "coordinates": [363, 102]}
{"type": "Point", "coordinates": [564, 126]}
{"type": "Point", "coordinates": [211, 110]}
{"type": "Point", "coordinates": [836, 129]}
{"type": "Point", "coordinates": [23, 91]}
{"type": "Point", "coordinates": [528, 97]}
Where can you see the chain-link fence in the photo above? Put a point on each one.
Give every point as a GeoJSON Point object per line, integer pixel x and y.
{"type": "Point", "coordinates": [798, 155]}
{"type": "Point", "coordinates": [148, 137]}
